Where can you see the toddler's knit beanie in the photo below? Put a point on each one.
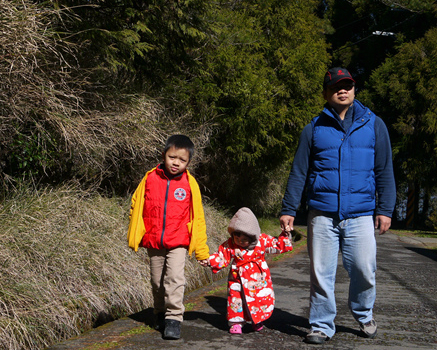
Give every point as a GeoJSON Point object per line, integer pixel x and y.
{"type": "Point", "coordinates": [246, 222]}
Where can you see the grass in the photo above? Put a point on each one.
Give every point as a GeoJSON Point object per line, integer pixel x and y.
{"type": "Point", "coordinates": [137, 330]}
{"type": "Point", "coordinates": [189, 306]}
{"type": "Point", "coordinates": [219, 289]}
{"type": "Point", "coordinates": [65, 265]}
{"type": "Point", "coordinates": [416, 233]}
{"type": "Point", "coordinates": [270, 226]}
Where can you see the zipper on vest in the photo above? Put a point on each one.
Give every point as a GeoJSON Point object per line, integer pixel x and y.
{"type": "Point", "coordinates": [165, 214]}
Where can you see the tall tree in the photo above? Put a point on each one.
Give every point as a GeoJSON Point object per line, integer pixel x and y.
{"type": "Point", "coordinates": [365, 32]}
{"type": "Point", "coordinates": [262, 78]}
{"type": "Point", "coordinates": [402, 90]}
{"type": "Point", "coordinates": [137, 46]}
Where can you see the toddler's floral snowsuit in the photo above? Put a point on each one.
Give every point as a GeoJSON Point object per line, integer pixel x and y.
{"type": "Point", "coordinates": [250, 289]}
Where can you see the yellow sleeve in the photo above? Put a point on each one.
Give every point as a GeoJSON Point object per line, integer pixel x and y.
{"type": "Point", "coordinates": [197, 225]}
{"type": "Point", "coordinates": [137, 229]}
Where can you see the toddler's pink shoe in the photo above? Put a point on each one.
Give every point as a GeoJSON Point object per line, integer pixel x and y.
{"type": "Point", "coordinates": [257, 327]}
{"type": "Point", "coordinates": [235, 329]}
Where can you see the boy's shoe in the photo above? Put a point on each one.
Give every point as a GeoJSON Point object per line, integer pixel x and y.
{"type": "Point", "coordinates": [369, 328]}
{"type": "Point", "coordinates": [258, 326]}
{"type": "Point", "coordinates": [172, 329]}
{"type": "Point", "coordinates": [159, 321]}
{"type": "Point", "coordinates": [316, 337]}
{"type": "Point", "coordinates": [235, 329]}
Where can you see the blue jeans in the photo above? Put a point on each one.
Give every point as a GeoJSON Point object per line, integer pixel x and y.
{"type": "Point", "coordinates": [355, 238]}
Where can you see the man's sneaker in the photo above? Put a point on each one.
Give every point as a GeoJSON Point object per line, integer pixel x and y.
{"type": "Point", "coordinates": [369, 328]}
{"type": "Point", "coordinates": [172, 329]}
{"type": "Point", "coordinates": [159, 321]}
{"type": "Point", "coordinates": [316, 337]}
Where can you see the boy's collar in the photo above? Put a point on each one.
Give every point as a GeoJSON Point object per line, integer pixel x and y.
{"type": "Point", "coordinates": [161, 167]}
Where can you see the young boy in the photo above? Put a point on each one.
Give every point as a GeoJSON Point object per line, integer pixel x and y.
{"type": "Point", "coordinates": [167, 218]}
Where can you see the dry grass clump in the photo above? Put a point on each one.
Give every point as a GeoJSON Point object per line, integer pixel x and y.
{"type": "Point", "coordinates": [120, 146]}
{"type": "Point", "coordinates": [65, 265]}
{"type": "Point", "coordinates": [57, 124]}
{"type": "Point", "coordinates": [35, 80]}
{"type": "Point", "coordinates": [64, 262]}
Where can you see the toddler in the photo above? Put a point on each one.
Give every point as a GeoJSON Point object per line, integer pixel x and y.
{"type": "Point", "coordinates": [250, 290]}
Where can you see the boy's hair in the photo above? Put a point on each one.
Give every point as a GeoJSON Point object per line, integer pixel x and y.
{"type": "Point", "coordinates": [180, 141]}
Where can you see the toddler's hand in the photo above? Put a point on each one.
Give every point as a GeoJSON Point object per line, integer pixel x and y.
{"type": "Point", "coordinates": [287, 234]}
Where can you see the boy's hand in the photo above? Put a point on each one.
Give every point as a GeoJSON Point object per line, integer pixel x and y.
{"type": "Point", "coordinates": [204, 263]}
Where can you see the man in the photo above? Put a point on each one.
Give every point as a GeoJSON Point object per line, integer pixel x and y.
{"type": "Point", "coordinates": [344, 157]}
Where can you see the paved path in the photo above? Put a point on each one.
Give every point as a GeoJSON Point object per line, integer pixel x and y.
{"type": "Point", "coordinates": [405, 309]}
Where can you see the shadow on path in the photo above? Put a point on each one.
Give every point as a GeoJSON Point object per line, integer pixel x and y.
{"type": "Point", "coordinates": [429, 253]}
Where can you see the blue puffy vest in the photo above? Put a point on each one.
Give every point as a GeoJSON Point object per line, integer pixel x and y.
{"type": "Point", "coordinates": [342, 178]}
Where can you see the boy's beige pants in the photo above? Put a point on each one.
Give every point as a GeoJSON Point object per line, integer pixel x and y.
{"type": "Point", "coordinates": [168, 281]}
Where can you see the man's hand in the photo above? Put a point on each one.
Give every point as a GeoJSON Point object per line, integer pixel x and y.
{"type": "Point", "coordinates": [383, 223]}
{"type": "Point", "coordinates": [286, 223]}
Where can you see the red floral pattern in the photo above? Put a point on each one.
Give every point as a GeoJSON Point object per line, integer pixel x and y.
{"type": "Point", "coordinates": [250, 288]}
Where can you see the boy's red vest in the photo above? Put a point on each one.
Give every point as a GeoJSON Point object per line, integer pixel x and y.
{"type": "Point", "coordinates": [166, 211]}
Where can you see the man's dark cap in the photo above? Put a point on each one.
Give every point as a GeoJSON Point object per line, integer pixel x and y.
{"type": "Point", "coordinates": [336, 74]}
